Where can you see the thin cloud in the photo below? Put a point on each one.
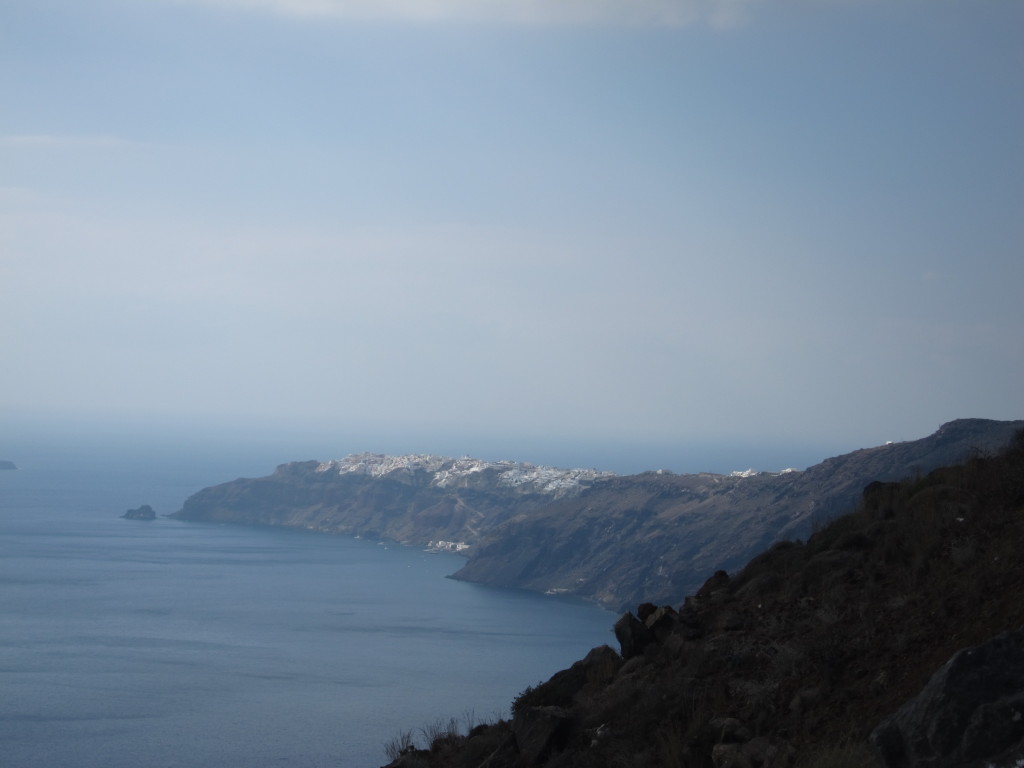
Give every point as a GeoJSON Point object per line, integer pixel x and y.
{"type": "Point", "coordinates": [664, 13]}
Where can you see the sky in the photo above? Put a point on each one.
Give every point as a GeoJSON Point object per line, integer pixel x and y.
{"type": "Point", "coordinates": [616, 233]}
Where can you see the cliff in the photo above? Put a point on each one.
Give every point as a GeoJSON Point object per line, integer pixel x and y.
{"type": "Point", "coordinates": [615, 540]}
{"type": "Point", "coordinates": [410, 499]}
{"type": "Point", "coordinates": [655, 536]}
{"type": "Point", "coordinates": [891, 637]}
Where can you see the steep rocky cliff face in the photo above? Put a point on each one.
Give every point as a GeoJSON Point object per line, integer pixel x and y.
{"type": "Point", "coordinates": [409, 499]}
{"type": "Point", "coordinates": [615, 540]}
{"type": "Point", "coordinates": [797, 658]}
{"type": "Point", "coordinates": [656, 536]}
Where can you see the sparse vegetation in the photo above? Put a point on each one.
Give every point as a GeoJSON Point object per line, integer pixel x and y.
{"type": "Point", "coordinates": [441, 732]}
{"type": "Point", "coordinates": [439, 738]}
{"type": "Point", "coordinates": [399, 745]}
{"type": "Point", "coordinates": [528, 697]}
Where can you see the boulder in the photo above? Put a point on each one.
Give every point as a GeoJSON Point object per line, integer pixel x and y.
{"type": "Point", "coordinates": [719, 581]}
{"type": "Point", "coordinates": [539, 731]}
{"type": "Point", "coordinates": [971, 712]}
{"type": "Point", "coordinates": [633, 635]}
{"type": "Point", "coordinates": [661, 621]}
{"type": "Point", "coordinates": [597, 669]}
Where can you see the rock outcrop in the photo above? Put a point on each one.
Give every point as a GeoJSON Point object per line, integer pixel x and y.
{"type": "Point", "coordinates": [145, 512]}
{"type": "Point", "coordinates": [971, 713]}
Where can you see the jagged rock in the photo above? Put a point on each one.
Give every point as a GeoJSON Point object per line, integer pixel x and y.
{"type": "Point", "coordinates": [718, 581]}
{"type": "Point", "coordinates": [971, 712]}
{"type": "Point", "coordinates": [662, 621]}
{"type": "Point", "coordinates": [538, 731]}
{"type": "Point", "coordinates": [145, 512]}
{"type": "Point", "coordinates": [633, 635]}
{"type": "Point", "coordinates": [597, 668]}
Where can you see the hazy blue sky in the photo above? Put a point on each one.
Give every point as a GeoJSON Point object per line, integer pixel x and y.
{"type": "Point", "coordinates": [470, 226]}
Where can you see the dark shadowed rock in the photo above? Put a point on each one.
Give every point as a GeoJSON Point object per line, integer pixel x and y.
{"type": "Point", "coordinates": [145, 512]}
{"type": "Point", "coordinates": [662, 621]}
{"type": "Point", "coordinates": [633, 635]}
{"type": "Point", "coordinates": [970, 713]}
{"type": "Point", "coordinates": [539, 731]}
{"type": "Point", "coordinates": [594, 670]}
{"type": "Point", "coordinates": [718, 581]}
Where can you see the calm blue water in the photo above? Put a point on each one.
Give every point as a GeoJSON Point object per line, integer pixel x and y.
{"type": "Point", "coordinates": [129, 643]}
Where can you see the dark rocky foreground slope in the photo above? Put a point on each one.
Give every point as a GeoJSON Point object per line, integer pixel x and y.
{"type": "Point", "coordinates": [615, 540]}
{"type": "Point", "coordinates": [814, 654]}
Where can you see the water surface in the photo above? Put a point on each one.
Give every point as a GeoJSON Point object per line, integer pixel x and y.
{"type": "Point", "coordinates": [130, 643]}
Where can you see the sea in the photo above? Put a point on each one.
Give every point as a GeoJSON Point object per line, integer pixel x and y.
{"type": "Point", "coordinates": [127, 643]}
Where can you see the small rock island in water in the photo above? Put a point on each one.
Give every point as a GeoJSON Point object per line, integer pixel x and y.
{"type": "Point", "coordinates": [145, 512]}
{"type": "Point", "coordinates": [7, 464]}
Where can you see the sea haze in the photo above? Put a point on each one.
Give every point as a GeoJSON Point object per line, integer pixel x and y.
{"type": "Point", "coordinates": [164, 643]}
